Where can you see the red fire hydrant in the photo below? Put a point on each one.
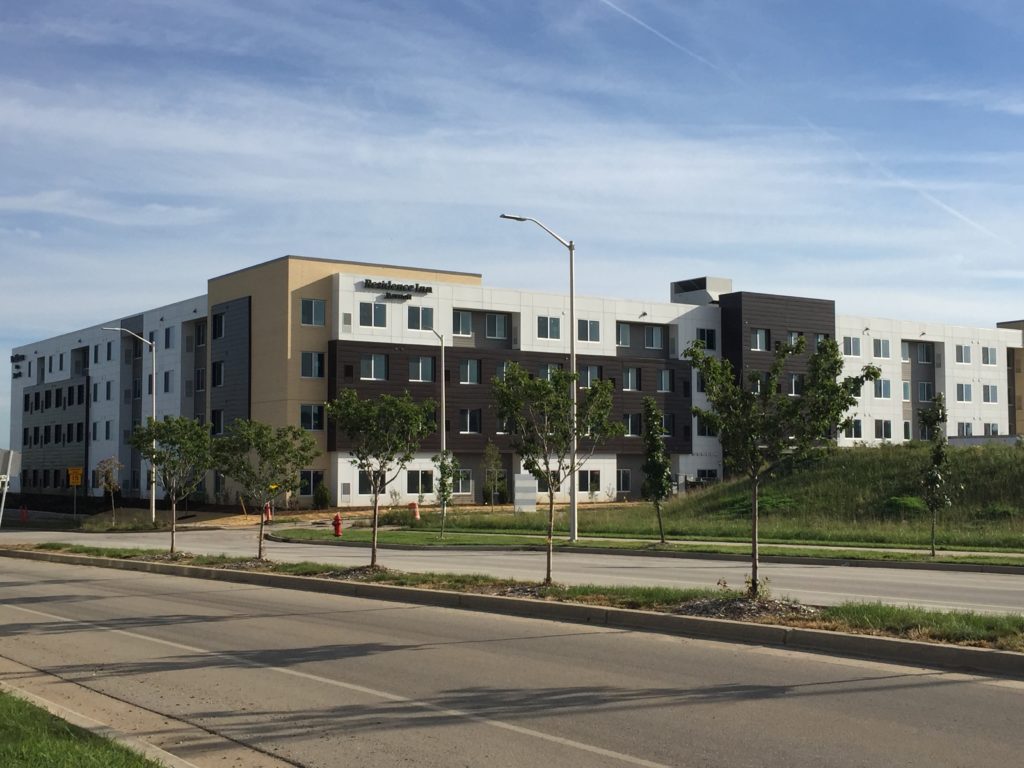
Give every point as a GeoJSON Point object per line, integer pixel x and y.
{"type": "Point", "coordinates": [268, 514]}
{"type": "Point", "coordinates": [337, 524]}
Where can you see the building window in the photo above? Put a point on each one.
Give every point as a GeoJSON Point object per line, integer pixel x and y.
{"type": "Point", "coordinates": [883, 429]}
{"type": "Point", "coordinates": [168, 381]}
{"type": "Point", "coordinates": [94, 432]}
{"type": "Point", "coordinates": [589, 480]}
{"type": "Point", "coordinates": [963, 353]}
{"type": "Point", "coordinates": [309, 479]}
{"type": "Point", "coordinates": [95, 392]}
{"type": "Point", "coordinates": [698, 381]}
{"type": "Point", "coordinates": [795, 385]}
{"type": "Point", "coordinates": [218, 326]}
{"type": "Point", "coordinates": [668, 424]}
{"type": "Point", "coordinates": [462, 482]}
{"type": "Point", "coordinates": [469, 372]}
{"type": "Point", "coordinates": [666, 380]}
{"type": "Point", "coordinates": [312, 365]}
{"type": "Point", "coordinates": [469, 421]}
{"type": "Point", "coordinates": [708, 336]}
{"type": "Point", "coordinates": [906, 430]}
{"type": "Point", "coordinates": [963, 393]}
{"type": "Point", "coordinates": [851, 346]}
{"type": "Point", "coordinates": [589, 375]}
{"type": "Point", "coordinates": [217, 373]}
{"type": "Point", "coordinates": [421, 368]}
{"type": "Point", "coordinates": [107, 387]}
{"type": "Point", "coordinates": [991, 429]}
{"type": "Point", "coordinates": [964, 429]}
{"type": "Point", "coordinates": [622, 334]}
{"type": "Point", "coordinates": [631, 379]}
{"type": "Point", "coordinates": [881, 347]}
{"type": "Point", "coordinates": [311, 416]}
{"type": "Point", "coordinates": [704, 429]}
{"type": "Point", "coordinates": [496, 326]}
{"type": "Point", "coordinates": [759, 339]}
{"type": "Point", "coordinates": [549, 328]}
{"type": "Point", "coordinates": [925, 391]}
{"type": "Point", "coordinates": [654, 337]}
{"type": "Point", "coordinates": [314, 312]}
{"type": "Point", "coordinates": [925, 354]}
{"type": "Point", "coordinates": [200, 379]}
{"type": "Point", "coordinates": [905, 351]}
{"type": "Point", "coordinates": [365, 489]}
{"type": "Point", "coordinates": [988, 356]}
{"type": "Point", "coordinates": [547, 370]}
{"type": "Point", "coordinates": [462, 323]}
{"type": "Point", "coordinates": [373, 314]}
{"type": "Point", "coordinates": [499, 370]}
{"type": "Point", "coordinates": [200, 334]}
{"type": "Point", "coordinates": [792, 337]}
{"type": "Point", "coordinates": [633, 424]}
{"type": "Point", "coordinates": [989, 393]}
{"type": "Point", "coordinates": [419, 481]}
{"type": "Point", "coordinates": [217, 421]}
{"type": "Point", "coordinates": [373, 367]}
{"type": "Point", "coordinates": [883, 389]}
{"type": "Point", "coordinates": [106, 430]}
{"type": "Point", "coordinates": [906, 391]}
{"type": "Point", "coordinates": [588, 330]}
{"type": "Point", "coordinates": [623, 481]}
{"type": "Point", "coordinates": [421, 318]}
{"type": "Point", "coordinates": [168, 338]}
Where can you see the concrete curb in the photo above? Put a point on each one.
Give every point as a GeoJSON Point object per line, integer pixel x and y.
{"type": "Point", "coordinates": [782, 559]}
{"type": "Point", "coordinates": [895, 650]}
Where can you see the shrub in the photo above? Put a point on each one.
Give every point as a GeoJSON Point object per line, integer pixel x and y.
{"type": "Point", "coordinates": [321, 497]}
{"type": "Point", "coordinates": [903, 507]}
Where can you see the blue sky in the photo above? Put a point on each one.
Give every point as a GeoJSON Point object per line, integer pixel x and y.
{"type": "Point", "coordinates": [838, 149]}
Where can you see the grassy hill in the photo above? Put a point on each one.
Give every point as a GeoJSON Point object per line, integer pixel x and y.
{"type": "Point", "coordinates": [847, 496]}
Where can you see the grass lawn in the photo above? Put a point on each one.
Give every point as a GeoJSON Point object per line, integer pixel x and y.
{"type": "Point", "coordinates": [430, 538]}
{"type": "Point", "coordinates": [30, 737]}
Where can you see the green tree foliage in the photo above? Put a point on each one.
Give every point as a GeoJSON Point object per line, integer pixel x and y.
{"type": "Point", "coordinates": [757, 423]}
{"type": "Point", "coordinates": [447, 465]}
{"type": "Point", "coordinates": [264, 461]}
{"type": "Point", "coordinates": [934, 480]}
{"type": "Point", "coordinates": [494, 486]}
{"type": "Point", "coordinates": [657, 485]}
{"type": "Point", "coordinates": [384, 434]}
{"type": "Point", "coordinates": [109, 470]}
{"type": "Point", "coordinates": [179, 449]}
{"type": "Point", "coordinates": [541, 425]}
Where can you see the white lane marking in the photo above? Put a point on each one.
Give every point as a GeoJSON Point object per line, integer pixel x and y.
{"type": "Point", "coordinates": [100, 728]}
{"type": "Point", "coordinates": [387, 696]}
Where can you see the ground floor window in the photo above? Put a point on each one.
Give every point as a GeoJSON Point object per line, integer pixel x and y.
{"type": "Point", "coordinates": [623, 481]}
{"type": "Point", "coordinates": [420, 481]}
{"type": "Point", "coordinates": [590, 480]}
{"type": "Point", "coordinates": [462, 482]}
{"type": "Point", "coordinates": [309, 479]}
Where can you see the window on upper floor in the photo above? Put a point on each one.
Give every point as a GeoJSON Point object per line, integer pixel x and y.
{"type": "Point", "coordinates": [547, 369]}
{"type": "Point", "coordinates": [217, 373]}
{"type": "Point", "coordinates": [311, 416]}
{"type": "Point", "coordinates": [851, 346]}
{"type": "Point", "coordinates": [633, 424]}
{"type": "Point", "coordinates": [883, 389]}
{"type": "Point", "coordinates": [588, 330]}
{"type": "Point", "coordinates": [989, 393]}
{"type": "Point", "coordinates": [926, 354]}
{"type": "Point", "coordinates": [880, 347]}
{"type": "Point", "coordinates": [759, 339]}
{"type": "Point", "coordinates": [963, 393]}
{"type": "Point", "coordinates": [373, 314]}
{"type": "Point", "coordinates": [622, 334]}
{"type": "Point", "coordinates": [496, 325]}
{"type": "Point", "coordinates": [989, 356]}
{"type": "Point", "coordinates": [470, 420]}
{"type": "Point", "coordinates": [709, 336]}
{"type": "Point", "coordinates": [218, 326]}
{"type": "Point", "coordinates": [549, 327]}
{"type": "Point", "coordinates": [963, 353]}
{"type": "Point", "coordinates": [469, 372]}
{"type": "Point", "coordinates": [654, 337]}
{"type": "Point", "coordinates": [666, 380]}
{"type": "Point", "coordinates": [373, 367]}
{"type": "Point", "coordinates": [314, 312]}
{"type": "Point", "coordinates": [312, 365]}
{"type": "Point", "coordinates": [421, 368]}
{"type": "Point", "coordinates": [589, 375]}
{"type": "Point", "coordinates": [462, 322]}
{"type": "Point", "coordinates": [420, 318]}
{"type": "Point", "coordinates": [631, 379]}
{"type": "Point", "coordinates": [925, 391]}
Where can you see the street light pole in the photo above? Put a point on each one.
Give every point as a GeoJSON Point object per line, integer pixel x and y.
{"type": "Point", "coordinates": [444, 430]}
{"type": "Point", "coordinates": [152, 391]}
{"type": "Point", "coordinates": [573, 507]}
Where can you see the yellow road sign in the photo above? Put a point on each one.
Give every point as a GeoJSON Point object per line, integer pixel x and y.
{"type": "Point", "coordinates": [75, 476]}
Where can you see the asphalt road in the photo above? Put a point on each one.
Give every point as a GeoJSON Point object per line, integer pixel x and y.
{"type": "Point", "coordinates": [317, 680]}
{"type": "Point", "coordinates": [811, 584]}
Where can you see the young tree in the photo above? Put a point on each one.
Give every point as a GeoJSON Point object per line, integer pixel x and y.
{"type": "Point", "coordinates": [758, 424]}
{"type": "Point", "coordinates": [933, 481]}
{"type": "Point", "coordinates": [179, 447]}
{"type": "Point", "coordinates": [108, 471]}
{"type": "Point", "coordinates": [541, 424]}
{"type": "Point", "coordinates": [657, 468]}
{"type": "Point", "coordinates": [264, 461]}
{"type": "Point", "coordinates": [447, 465]}
{"type": "Point", "coordinates": [493, 484]}
{"type": "Point", "coordinates": [384, 434]}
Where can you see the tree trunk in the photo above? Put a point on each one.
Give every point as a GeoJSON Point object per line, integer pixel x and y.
{"type": "Point", "coordinates": [551, 532]}
{"type": "Point", "coordinates": [376, 517]}
{"type": "Point", "coordinates": [935, 514]}
{"type": "Point", "coordinates": [113, 511]}
{"type": "Point", "coordinates": [174, 519]}
{"type": "Point", "coordinates": [259, 545]}
{"type": "Point", "coordinates": [444, 514]}
{"type": "Point", "coordinates": [754, 584]}
{"type": "Point", "coordinates": [661, 525]}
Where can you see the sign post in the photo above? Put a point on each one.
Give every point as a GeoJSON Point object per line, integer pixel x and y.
{"type": "Point", "coordinates": [75, 480]}
{"type": "Point", "coordinates": [10, 465]}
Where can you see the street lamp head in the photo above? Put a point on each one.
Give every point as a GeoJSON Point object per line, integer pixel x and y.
{"type": "Point", "coordinates": [512, 218]}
